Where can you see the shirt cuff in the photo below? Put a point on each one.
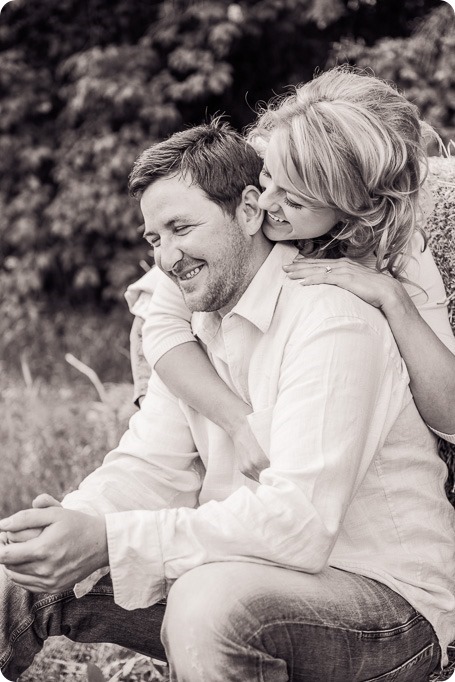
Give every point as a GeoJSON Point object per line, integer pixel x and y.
{"type": "Point", "coordinates": [156, 352]}
{"type": "Point", "coordinates": [449, 437]}
{"type": "Point", "coordinates": [84, 587]}
{"type": "Point", "coordinates": [135, 559]}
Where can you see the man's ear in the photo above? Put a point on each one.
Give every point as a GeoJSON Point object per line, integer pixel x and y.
{"type": "Point", "coordinates": [248, 211]}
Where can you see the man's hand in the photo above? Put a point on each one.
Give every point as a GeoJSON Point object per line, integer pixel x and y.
{"type": "Point", "coordinates": [40, 502]}
{"type": "Point", "coordinates": [252, 459]}
{"type": "Point", "coordinates": [70, 546]}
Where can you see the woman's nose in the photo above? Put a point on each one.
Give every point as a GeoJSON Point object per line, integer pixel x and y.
{"type": "Point", "coordinates": [268, 200]}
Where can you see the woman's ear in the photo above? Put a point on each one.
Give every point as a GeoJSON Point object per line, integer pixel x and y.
{"type": "Point", "coordinates": [248, 210]}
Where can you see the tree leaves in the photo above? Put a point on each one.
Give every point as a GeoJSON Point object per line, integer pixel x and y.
{"type": "Point", "coordinates": [86, 86]}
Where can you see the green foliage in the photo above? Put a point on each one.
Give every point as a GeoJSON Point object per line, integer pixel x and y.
{"type": "Point", "coordinates": [86, 86]}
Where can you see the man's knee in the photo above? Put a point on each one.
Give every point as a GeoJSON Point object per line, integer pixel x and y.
{"type": "Point", "coordinates": [228, 600]}
{"type": "Point", "coordinates": [208, 623]}
{"type": "Point", "coordinates": [202, 605]}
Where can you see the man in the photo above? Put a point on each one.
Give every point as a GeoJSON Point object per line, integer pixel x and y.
{"type": "Point", "coordinates": [338, 564]}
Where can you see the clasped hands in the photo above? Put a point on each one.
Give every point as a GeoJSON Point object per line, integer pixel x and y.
{"type": "Point", "coordinates": [49, 549]}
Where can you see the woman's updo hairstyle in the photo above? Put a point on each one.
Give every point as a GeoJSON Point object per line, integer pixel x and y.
{"type": "Point", "coordinates": [352, 142]}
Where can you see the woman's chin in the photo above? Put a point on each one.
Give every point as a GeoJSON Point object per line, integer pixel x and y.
{"type": "Point", "coordinates": [277, 233]}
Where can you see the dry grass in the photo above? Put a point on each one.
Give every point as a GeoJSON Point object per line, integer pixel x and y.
{"type": "Point", "coordinates": [54, 430]}
{"type": "Point", "coordinates": [64, 661]}
{"type": "Point", "coordinates": [52, 437]}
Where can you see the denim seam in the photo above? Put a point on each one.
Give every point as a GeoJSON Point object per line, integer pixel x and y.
{"type": "Point", "coordinates": [25, 625]}
{"type": "Point", "coordinates": [420, 655]}
{"type": "Point", "coordinates": [364, 633]}
{"type": "Point", "coordinates": [417, 657]}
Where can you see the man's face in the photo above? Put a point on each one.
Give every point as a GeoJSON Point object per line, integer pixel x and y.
{"type": "Point", "coordinates": [205, 251]}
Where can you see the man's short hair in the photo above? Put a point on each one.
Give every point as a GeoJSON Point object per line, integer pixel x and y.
{"type": "Point", "coordinates": [213, 155]}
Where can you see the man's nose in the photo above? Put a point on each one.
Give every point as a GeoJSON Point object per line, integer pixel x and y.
{"type": "Point", "coordinates": [170, 254]}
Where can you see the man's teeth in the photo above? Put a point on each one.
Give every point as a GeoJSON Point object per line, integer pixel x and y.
{"type": "Point", "coordinates": [275, 218]}
{"type": "Point", "coordinates": [192, 274]}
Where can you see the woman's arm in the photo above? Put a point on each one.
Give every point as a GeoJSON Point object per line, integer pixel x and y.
{"type": "Point", "coordinates": [172, 350]}
{"type": "Point", "coordinates": [431, 365]}
{"type": "Point", "coordinates": [188, 373]}
{"type": "Point", "coordinates": [429, 356]}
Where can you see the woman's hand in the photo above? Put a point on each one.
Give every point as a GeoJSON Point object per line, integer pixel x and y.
{"type": "Point", "coordinates": [378, 289]}
{"type": "Point", "coordinates": [251, 458]}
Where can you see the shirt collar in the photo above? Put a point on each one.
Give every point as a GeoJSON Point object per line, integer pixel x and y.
{"type": "Point", "coordinates": [257, 305]}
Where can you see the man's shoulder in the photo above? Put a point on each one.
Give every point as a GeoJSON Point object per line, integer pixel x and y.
{"type": "Point", "coordinates": [314, 304]}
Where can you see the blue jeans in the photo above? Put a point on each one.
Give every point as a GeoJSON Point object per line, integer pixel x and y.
{"type": "Point", "coordinates": [238, 621]}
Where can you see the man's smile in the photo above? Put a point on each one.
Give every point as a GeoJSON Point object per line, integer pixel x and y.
{"type": "Point", "coordinates": [187, 274]}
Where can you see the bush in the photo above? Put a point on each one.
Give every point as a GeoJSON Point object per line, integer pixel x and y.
{"type": "Point", "coordinates": [423, 66]}
{"type": "Point", "coordinates": [86, 87]}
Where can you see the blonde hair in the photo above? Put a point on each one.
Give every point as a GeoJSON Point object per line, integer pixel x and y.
{"type": "Point", "coordinates": [353, 143]}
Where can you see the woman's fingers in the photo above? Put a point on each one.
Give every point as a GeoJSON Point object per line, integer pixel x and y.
{"type": "Point", "coordinates": [361, 280]}
{"type": "Point", "coordinates": [322, 271]}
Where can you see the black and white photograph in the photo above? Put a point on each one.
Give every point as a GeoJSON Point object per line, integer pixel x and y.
{"type": "Point", "coordinates": [227, 341]}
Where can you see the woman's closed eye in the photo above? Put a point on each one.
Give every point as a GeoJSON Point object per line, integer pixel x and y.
{"type": "Point", "coordinates": [291, 203]}
{"type": "Point", "coordinates": [264, 175]}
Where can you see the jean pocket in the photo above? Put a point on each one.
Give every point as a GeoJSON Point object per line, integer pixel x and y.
{"type": "Point", "coordinates": [416, 669]}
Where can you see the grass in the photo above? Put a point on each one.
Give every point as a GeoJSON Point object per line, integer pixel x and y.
{"type": "Point", "coordinates": [54, 430]}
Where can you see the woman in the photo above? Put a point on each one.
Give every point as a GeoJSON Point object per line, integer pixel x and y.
{"type": "Point", "coordinates": [342, 176]}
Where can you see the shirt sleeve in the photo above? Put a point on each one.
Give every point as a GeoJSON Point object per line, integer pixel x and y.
{"type": "Point", "coordinates": [449, 437]}
{"type": "Point", "coordinates": [140, 292]}
{"type": "Point", "coordinates": [167, 321]}
{"type": "Point", "coordinates": [322, 434]}
{"type": "Point", "coordinates": [428, 293]}
{"type": "Point", "coordinates": [140, 368]}
{"type": "Point", "coordinates": [154, 465]}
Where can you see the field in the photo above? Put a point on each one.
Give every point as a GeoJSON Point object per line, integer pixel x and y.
{"type": "Point", "coordinates": [55, 428]}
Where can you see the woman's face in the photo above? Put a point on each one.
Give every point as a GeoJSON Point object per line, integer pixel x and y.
{"type": "Point", "coordinates": [287, 216]}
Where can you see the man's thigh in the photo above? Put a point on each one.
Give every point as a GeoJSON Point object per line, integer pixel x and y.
{"type": "Point", "coordinates": [27, 620]}
{"type": "Point", "coordinates": [332, 626]}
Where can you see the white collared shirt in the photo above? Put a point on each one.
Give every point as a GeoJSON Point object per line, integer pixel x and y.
{"type": "Point", "coordinates": [354, 481]}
